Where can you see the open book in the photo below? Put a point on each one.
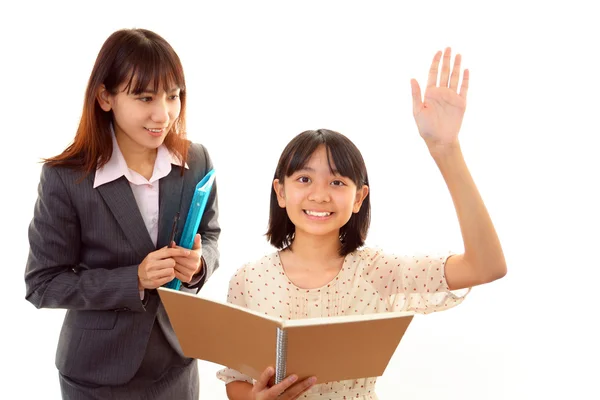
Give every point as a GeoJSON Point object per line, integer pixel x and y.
{"type": "Point", "coordinates": [332, 349]}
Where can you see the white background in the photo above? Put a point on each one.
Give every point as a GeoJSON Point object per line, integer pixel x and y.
{"type": "Point", "coordinates": [260, 72]}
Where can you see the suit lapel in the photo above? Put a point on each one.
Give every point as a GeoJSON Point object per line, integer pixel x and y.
{"type": "Point", "coordinates": [170, 190]}
{"type": "Point", "coordinates": [119, 198]}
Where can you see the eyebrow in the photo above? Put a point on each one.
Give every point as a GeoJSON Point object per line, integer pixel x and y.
{"type": "Point", "coordinates": [148, 91]}
{"type": "Point", "coordinates": [309, 169]}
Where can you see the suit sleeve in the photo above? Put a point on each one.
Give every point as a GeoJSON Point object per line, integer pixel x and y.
{"type": "Point", "coordinates": [54, 275]}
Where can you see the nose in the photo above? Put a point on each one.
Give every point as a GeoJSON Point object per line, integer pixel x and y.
{"type": "Point", "coordinates": [319, 193]}
{"type": "Point", "coordinates": [160, 112]}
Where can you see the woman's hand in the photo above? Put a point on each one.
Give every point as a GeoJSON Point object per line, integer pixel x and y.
{"type": "Point", "coordinates": [188, 266]}
{"type": "Point", "coordinates": [158, 267]}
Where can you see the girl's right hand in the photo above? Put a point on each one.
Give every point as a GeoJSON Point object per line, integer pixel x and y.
{"type": "Point", "coordinates": [158, 267]}
{"type": "Point", "coordinates": [287, 389]}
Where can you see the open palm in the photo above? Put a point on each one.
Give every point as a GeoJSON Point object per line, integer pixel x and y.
{"type": "Point", "coordinates": [439, 115]}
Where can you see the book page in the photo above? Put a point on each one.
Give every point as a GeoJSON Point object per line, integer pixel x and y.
{"type": "Point", "coordinates": [222, 333]}
{"type": "Point", "coordinates": [333, 348]}
{"type": "Point", "coordinates": [344, 350]}
{"type": "Point", "coordinates": [344, 319]}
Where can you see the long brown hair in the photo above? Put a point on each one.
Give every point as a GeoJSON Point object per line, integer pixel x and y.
{"type": "Point", "coordinates": [139, 57]}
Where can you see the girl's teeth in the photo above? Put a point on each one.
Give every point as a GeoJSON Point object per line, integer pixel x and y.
{"type": "Point", "coordinates": [318, 214]}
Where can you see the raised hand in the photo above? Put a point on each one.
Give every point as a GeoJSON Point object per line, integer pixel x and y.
{"type": "Point", "coordinates": [439, 115]}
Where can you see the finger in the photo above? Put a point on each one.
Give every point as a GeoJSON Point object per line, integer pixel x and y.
{"type": "Point", "coordinates": [282, 386]}
{"type": "Point", "coordinates": [433, 71]}
{"type": "Point", "coordinates": [160, 282]}
{"type": "Point", "coordinates": [191, 261]}
{"type": "Point", "coordinates": [184, 270]}
{"type": "Point", "coordinates": [187, 278]}
{"type": "Point", "coordinates": [157, 281]}
{"type": "Point", "coordinates": [168, 272]}
{"type": "Point", "coordinates": [197, 242]}
{"type": "Point", "coordinates": [296, 390]}
{"type": "Point", "coordinates": [445, 68]}
{"type": "Point", "coordinates": [170, 252]}
{"type": "Point", "coordinates": [183, 263]}
{"type": "Point", "coordinates": [455, 73]}
{"type": "Point", "coordinates": [465, 84]}
{"type": "Point", "coordinates": [165, 252]}
{"type": "Point", "coordinates": [416, 95]}
{"type": "Point", "coordinates": [263, 380]}
{"type": "Point", "coordinates": [159, 265]}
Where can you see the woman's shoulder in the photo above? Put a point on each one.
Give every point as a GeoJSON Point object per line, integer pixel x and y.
{"type": "Point", "coordinates": [197, 153]}
{"type": "Point", "coordinates": [62, 175]}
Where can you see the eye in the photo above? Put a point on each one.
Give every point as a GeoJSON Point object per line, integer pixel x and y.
{"type": "Point", "coordinates": [303, 179]}
{"type": "Point", "coordinates": [145, 99]}
{"type": "Point", "coordinates": [174, 97]}
{"type": "Point", "coordinates": [338, 183]}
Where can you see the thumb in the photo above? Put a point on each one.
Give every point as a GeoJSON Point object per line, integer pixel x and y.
{"type": "Point", "coordinates": [263, 382]}
{"type": "Point", "coordinates": [416, 95]}
{"type": "Point", "coordinates": [197, 242]}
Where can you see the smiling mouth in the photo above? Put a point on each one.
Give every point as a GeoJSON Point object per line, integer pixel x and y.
{"type": "Point", "coordinates": [317, 213]}
{"type": "Point", "coordinates": [159, 130]}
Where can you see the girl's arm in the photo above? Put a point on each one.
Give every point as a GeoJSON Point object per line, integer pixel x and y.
{"type": "Point", "coordinates": [239, 390]}
{"type": "Point", "coordinates": [483, 259]}
{"type": "Point", "coordinates": [439, 117]}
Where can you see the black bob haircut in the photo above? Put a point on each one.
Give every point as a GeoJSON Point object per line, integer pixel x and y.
{"type": "Point", "coordinates": [348, 161]}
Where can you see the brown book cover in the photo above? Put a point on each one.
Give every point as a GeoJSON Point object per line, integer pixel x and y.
{"type": "Point", "coordinates": [332, 349]}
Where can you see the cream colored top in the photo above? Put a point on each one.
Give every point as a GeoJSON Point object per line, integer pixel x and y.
{"type": "Point", "coordinates": [369, 281]}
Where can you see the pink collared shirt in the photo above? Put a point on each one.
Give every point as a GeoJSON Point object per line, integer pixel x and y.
{"type": "Point", "coordinates": [144, 190]}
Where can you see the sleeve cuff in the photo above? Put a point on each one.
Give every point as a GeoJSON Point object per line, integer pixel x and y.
{"type": "Point", "coordinates": [198, 280]}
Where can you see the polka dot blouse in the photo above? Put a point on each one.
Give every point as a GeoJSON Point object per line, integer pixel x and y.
{"type": "Point", "coordinates": [369, 282]}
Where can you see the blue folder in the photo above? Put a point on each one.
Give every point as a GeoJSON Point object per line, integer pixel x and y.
{"type": "Point", "coordinates": [192, 222]}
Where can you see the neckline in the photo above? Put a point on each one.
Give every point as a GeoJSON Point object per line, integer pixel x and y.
{"type": "Point", "coordinates": [326, 286]}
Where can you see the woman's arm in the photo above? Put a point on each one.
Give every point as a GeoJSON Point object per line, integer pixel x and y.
{"type": "Point", "coordinates": [54, 275]}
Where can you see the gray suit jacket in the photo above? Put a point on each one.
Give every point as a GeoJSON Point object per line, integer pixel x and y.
{"type": "Point", "coordinates": [85, 248]}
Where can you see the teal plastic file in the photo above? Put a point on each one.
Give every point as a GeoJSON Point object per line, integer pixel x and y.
{"type": "Point", "coordinates": [194, 216]}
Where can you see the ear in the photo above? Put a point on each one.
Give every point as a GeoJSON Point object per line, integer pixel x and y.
{"type": "Point", "coordinates": [361, 195]}
{"type": "Point", "coordinates": [280, 192]}
{"type": "Point", "coordinates": [103, 97]}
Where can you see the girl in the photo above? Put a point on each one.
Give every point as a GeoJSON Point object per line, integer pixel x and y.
{"type": "Point", "coordinates": [319, 220]}
{"type": "Point", "coordinates": [100, 235]}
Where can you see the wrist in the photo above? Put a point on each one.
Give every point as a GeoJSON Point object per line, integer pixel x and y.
{"type": "Point", "coordinates": [440, 151]}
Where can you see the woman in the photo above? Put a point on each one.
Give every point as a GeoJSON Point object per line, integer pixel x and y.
{"type": "Point", "coordinates": [100, 238]}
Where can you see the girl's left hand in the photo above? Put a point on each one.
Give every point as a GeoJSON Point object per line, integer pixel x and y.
{"type": "Point", "coordinates": [439, 116]}
{"type": "Point", "coordinates": [187, 267]}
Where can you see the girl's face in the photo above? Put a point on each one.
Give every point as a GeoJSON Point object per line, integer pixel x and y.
{"type": "Point", "coordinates": [317, 201]}
{"type": "Point", "coordinates": [141, 121]}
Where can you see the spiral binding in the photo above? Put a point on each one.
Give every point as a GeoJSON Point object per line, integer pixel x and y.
{"type": "Point", "coordinates": [281, 353]}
